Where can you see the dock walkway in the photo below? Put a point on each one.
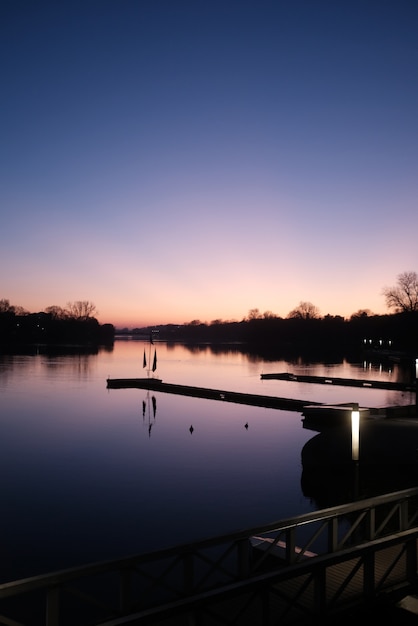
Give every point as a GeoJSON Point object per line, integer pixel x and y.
{"type": "Point", "coordinates": [345, 382]}
{"type": "Point", "coordinates": [155, 384]}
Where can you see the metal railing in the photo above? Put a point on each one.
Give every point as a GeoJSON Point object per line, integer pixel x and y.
{"type": "Point", "coordinates": [298, 553]}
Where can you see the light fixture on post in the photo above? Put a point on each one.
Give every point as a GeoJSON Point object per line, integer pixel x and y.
{"type": "Point", "coordinates": [416, 386]}
{"type": "Point", "coordinates": [355, 432]}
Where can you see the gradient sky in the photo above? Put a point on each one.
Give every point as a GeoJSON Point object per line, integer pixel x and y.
{"type": "Point", "coordinates": [174, 160]}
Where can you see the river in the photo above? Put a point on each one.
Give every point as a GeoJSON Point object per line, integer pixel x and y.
{"type": "Point", "coordinates": [90, 473]}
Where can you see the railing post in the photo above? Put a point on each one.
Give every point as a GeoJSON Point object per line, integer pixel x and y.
{"type": "Point", "coordinates": [290, 545]}
{"type": "Point", "coordinates": [333, 534]}
{"type": "Point", "coordinates": [411, 561]}
{"type": "Point", "coordinates": [372, 523]}
{"type": "Point", "coordinates": [403, 515]}
{"type": "Point", "coordinates": [52, 617]}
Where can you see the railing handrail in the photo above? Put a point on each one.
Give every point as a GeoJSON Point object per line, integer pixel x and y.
{"type": "Point", "coordinates": [270, 578]}
{"type": "Point", "coordinates": [65, 575]}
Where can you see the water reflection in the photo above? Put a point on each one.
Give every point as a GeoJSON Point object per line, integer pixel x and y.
{"type": "Point", "coordinates": [149, 411]}
{"type": "Point", "coordinates": [91, 473]}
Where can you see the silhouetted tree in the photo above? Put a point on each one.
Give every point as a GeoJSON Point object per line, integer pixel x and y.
{"type": "Point", "coordinates": [6, 307]}
{"type": "Point", "coordinates": [361, 313]}
{"type": "Point", "coordinates": [254, 314]}
{"type": "Point", "coordinates": [56, 312]}
{"type": "Point", "coordinates": [404, 296]}
{"type": "Point", "coordinates": [81, 310]}
{"type": "Point", "coordinates": [305, 311]}
{"type": "Point", "coordinates": [269, 315]}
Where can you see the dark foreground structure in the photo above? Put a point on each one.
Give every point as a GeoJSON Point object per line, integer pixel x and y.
{"type": "Point", "coordinates": [359, 559]}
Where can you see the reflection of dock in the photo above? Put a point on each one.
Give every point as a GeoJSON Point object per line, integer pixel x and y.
{"type": "Point", "coordinates": [345, 382]}
{"type": "Point", "coordinates": [155, 384]}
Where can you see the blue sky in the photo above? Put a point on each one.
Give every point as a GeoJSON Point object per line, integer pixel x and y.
{"type": "Point", "coordinates": [179, 160]}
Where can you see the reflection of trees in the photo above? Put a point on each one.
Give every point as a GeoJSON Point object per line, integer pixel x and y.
{"type": "Point", "coordinates": [78, 365]}
{"type": "Point", "coordinates": [77, 362]}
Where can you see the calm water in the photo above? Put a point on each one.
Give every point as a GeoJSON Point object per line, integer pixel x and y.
{"type": "Point", "coordinates": [91, 474]}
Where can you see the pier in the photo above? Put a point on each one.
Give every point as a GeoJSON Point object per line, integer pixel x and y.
{"type": "Point", "coordinates": [269, 402]}
{"type": "Point", "coordinates": [155, 384]}
{"type": "Point", "coordinates": [345, 382]}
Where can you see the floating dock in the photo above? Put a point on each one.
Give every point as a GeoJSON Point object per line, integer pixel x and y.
{"type": "Point", "coordinates": [345, 382]}
{"type": "Point", "coordinates": [155, 384]}
{"type": "Point", "coordinates": [269, 402]}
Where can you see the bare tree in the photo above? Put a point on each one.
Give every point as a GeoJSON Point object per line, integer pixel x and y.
{"type": "Point", "coordinates": [6, 307]}
{"type": "Point", "coordinates": [56, 312]}
{"type": "Point", "coordinates": [403, 297]}
{"type": "Point", "coordinates": [254, 314]}
{"type": "Point", "coordinates": [81, 310]}
{"type": "Point", "coordinates": [20, 310]}
{"type": "Point", "coordinates": [361, 313]}
{"type": "Point", "coordinates": [304, 311]}
{"type": "Point", "coordinates": [269, 315]}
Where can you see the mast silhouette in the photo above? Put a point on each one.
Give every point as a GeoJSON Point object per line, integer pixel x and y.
{"type": "Point", "coordinates": [154, 361]}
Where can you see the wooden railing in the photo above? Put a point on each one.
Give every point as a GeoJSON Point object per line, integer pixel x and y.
{"type": "Point", "coordinates": [372, 542]}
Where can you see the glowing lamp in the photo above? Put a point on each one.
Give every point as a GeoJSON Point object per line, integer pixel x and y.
{"type": "Point", "coordinates": [355, 433]}
{"type": "Point", "coordinates": [416, 386]}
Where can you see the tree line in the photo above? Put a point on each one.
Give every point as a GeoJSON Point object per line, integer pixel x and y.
{"type": "Point", "coordinates": [74, 324]}
{"type": "Point", "coordinates": [303, 329]}
{"type": "Point", "coordinates": [394, 334]}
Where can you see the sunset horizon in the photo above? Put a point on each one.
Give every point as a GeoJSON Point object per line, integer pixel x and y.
{"type": "Point", "coordinates": [189, 161]}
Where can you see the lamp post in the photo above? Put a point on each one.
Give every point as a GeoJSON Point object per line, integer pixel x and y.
{"type": "Point", "coordinates": [355, 432]}
{"type": "Point", "coordinates": [416, 386]}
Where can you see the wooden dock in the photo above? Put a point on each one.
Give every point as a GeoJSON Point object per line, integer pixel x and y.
{"type": "Point", "coordinates": [345, 382]}
{"type": "Point", "coordinates": [156, 384]}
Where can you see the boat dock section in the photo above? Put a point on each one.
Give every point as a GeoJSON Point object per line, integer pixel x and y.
{"type": "Point", "coordinates": [156, 384]}
{"type": "Point", "coordinates": [346, 382]}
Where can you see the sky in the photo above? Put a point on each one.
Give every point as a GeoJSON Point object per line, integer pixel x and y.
{"type": "Point", "coordinates": [179, 160]}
